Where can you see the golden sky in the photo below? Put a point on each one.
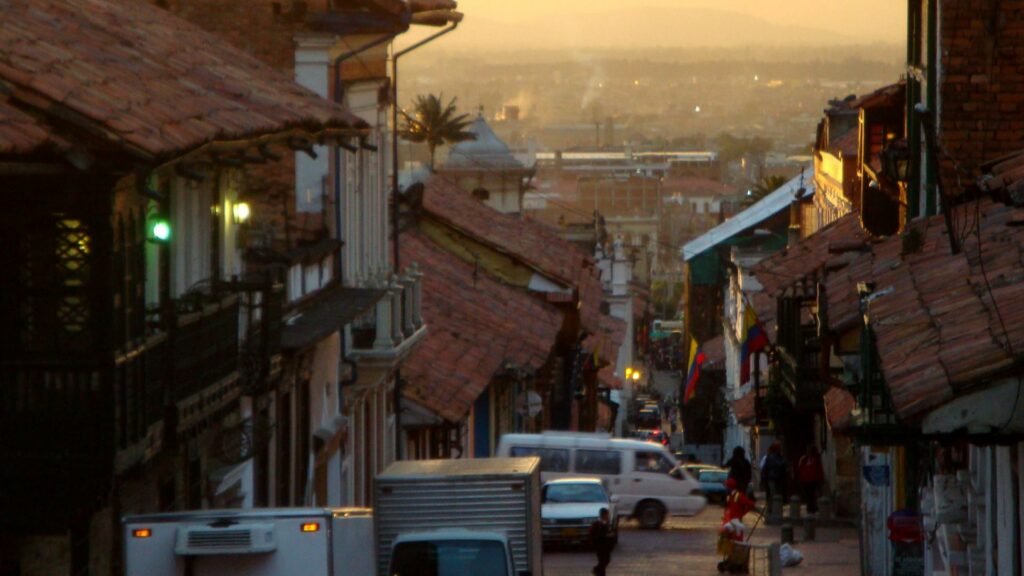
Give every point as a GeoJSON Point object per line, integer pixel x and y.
{"type": "Point", "coordinates": [559, 24]}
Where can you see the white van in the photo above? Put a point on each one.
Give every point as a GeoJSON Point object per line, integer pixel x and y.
{"type": "Point", "coordinates": [644, 475]}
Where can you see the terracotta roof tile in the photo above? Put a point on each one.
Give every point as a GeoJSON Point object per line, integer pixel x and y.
{"type": "Point", "coordinates": [794, 263]}
{"type": "Point", "coordinates": [847, 143]}
{"type": "Point", "coordinates": [476, 325]}
{"type": "Point", "coordinates": [935, 320]}
{"type": "Point", "coordinates": [149, 80]}
{"type": "Point", "coordinates": [839, 405]}
{"type": "Point", "coordinates": [22, 133]}
{"type": "Point", "coordinates": [530, 242]}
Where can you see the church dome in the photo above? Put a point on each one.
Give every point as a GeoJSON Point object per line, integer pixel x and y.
{"type": "Point", "coordinates": [487, 152]}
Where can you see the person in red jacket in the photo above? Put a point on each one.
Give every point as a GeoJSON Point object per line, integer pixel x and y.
{"type": "Point", "coordinates": [737, 505]}
{"type": "Point", "coordinates": [810, 474]}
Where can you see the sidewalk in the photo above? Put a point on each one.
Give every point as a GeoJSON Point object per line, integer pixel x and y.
{"type": "Point", "coordinates": [834, 552]}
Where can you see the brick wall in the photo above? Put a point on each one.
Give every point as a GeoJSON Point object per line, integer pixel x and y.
{"type": "Point", "coordinates": [266, 29]}
{"type": "Point", "coordinates": [982, 83]}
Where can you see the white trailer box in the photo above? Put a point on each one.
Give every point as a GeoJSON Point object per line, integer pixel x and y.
{"type": "Point", "coordinates": [453, 500]}
{"type": "Point", "coordinates": [254, 542]}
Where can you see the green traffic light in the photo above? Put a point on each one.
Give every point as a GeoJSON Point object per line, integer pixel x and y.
{"type": "Point", "coordinates": [161, 230]}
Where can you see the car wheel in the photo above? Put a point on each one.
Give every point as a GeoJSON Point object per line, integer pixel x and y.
{"type": "Point", "coordinates": [650, 515]}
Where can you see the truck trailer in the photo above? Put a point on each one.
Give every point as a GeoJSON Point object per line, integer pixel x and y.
{"type": "Point", "coordinates": [459, 517]}
{"type": "Point", "coordinates": [253, 542]}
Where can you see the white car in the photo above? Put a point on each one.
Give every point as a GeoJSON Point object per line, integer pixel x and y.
{"type": "Point", "coordinates": [571, 505]}
{"type": "Point", "coordinates": [642, 474]}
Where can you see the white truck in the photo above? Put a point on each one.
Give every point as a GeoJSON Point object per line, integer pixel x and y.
{"type": "Point", "coordinates": [436, 518]}
{"type": "Point", "coordinates": [253, 542]}
{"type": "Point", "coordinates": [477, 517]}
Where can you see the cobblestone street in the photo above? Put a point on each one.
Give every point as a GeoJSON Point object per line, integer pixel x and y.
{"type": "Point", "coordinates": [687, 546]}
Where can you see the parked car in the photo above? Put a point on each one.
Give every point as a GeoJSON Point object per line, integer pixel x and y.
{"type": "Point", "coordinates": [695, 468]}
{"type": "Point", "coordinates": [569, 507]}
{"type": "Point", "coordinates": [641, 474]}
{"type": "Point", "coordinates": [655, 435]}
{"type": "Point", "coordinates": [712, 483]}
{"type": "Point", "coordinates": [648, 418]}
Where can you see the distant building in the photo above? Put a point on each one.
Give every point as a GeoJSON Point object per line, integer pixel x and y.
{"type": "Point", "coordinates": [627, 162]}
{"type": "Point", "coordinates": [486, 168]}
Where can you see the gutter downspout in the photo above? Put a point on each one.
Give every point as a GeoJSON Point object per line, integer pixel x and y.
{"type": "Point", "coordinates": [395, 211]}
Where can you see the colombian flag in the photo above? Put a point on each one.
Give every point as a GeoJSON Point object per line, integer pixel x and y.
{"type": "Point", "coordinates": [755, 339]}
{"type": "Point", "coordinates": [693, 370]}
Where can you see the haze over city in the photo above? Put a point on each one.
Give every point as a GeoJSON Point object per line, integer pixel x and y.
{"type": "Point", "coordinates": [499, 25]}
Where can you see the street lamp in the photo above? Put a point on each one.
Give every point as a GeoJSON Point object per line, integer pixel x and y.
{"type": "Point", "coordinates": [241, 212]}
{"type": "Point", "coordinates": [159, 229]}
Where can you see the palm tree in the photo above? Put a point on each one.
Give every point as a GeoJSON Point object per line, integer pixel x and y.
{"type": "Point", "coordinates": [766, 186]}
{"type": "Point", "coordinates": [436, 124]}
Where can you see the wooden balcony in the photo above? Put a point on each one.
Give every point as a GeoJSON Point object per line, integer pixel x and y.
{"type": "Point", "coordinates": [204, 348]}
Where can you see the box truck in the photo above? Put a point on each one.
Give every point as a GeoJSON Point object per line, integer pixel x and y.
{"type": "Point", "coordinates": [452, 517]}
{"type": "Point", "coordinates": [253, 542]}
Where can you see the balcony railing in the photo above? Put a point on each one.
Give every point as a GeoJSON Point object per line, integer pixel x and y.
{"type": "Point", "coordinates": [396, 320]}
{"type": "Point", "coordinates": [141, 389]}
{"type": "Point", "coordinates": [204, 346]}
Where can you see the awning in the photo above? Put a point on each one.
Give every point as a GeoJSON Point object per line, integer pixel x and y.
{"type": "Point", "coordinates": [328, 314]}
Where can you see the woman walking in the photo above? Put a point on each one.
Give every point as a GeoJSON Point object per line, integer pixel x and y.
{"type": "Point", "coordinates": [810, 474]}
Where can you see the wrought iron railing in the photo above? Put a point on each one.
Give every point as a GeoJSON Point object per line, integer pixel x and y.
{"type": "Point", "coordinates": [204, 346]}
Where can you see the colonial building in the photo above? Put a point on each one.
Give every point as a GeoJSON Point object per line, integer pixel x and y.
{"type": "Point", "coordinates": [486, 168]}
{"type": "Point", "coordinates": [140, 351]}
{"type": "Point", "coordinates": [326, 225]}
{"type": "Point", "coordinates": [517, 341]}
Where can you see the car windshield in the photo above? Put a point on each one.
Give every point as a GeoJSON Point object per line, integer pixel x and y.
{"type": "Point", "coordinates": [449, 558]}
{"type": "Point", "coordinates": [574, 493]}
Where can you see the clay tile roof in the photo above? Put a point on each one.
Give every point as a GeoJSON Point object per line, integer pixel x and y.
{"type": "Point", "coordinates": [839, 405]}
{"type": "Point", "coordinates": [148, 80]}
{"type": "Point", "coordinates": [476, 325]}
{"type": "Point", "coordinates": [605, 343]}
{"type": "Point", "coordinates": [933, 314]}
{"type": "Point", "coordinates": [847, 143]}
{"type": "Point", "coordinates": [1005, 174]}
{"type": "Point", "coordinates": [21, 133]}
{"type": "Point", "coordinates": [884, 96]}
{"type": "Point", "coordinates": [794, 263]}
{"type": "Point", "coordinates": [532, 243]}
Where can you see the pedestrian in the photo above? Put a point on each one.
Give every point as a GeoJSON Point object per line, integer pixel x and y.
{"type": "Point", "coordinates": [739, 469]}
{"type": "Point", "coordinates": [601, 542]}
{"type": "Point", "coordinates": [773, 473]}
{"type": "Point", "coordinates": [810, 474]}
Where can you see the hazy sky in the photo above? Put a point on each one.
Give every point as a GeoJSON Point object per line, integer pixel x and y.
{"type": "Point", "coordinates": [546, 24]}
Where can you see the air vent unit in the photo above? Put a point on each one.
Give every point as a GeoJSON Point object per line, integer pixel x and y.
{"type": "Point", "coordinates": [234, 539]}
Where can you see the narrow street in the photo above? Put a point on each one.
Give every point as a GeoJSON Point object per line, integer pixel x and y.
{"type": "Point", "coordinates": [687, 546]}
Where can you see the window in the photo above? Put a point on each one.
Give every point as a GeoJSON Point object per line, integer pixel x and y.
{"type": "Point", "coordinates": [551, 459]}
{"type": "Point", "coordinates": [574, 493]}
{"type": "Point", "coordinates": [598, 462]}
{"type": "Point", "coordinates": [653, 462]}
{"type": "Point", "coordinates": [449, 558]}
